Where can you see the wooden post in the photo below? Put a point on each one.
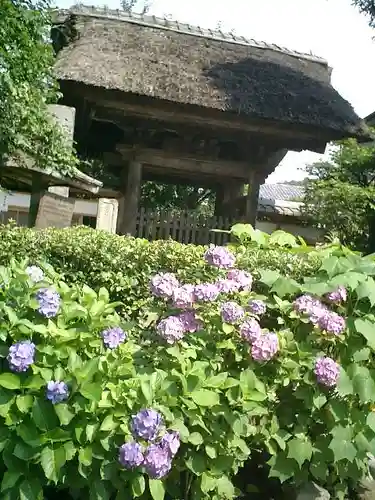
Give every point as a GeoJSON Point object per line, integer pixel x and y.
{"type": "Point", "coordinates": [252, 197]}
{"type": "Point", "coordinates": [129, 203]}
{"type": "Point", "coordinates": [226, 197]}
{"type": "Point", "coordinates": [37, 189]}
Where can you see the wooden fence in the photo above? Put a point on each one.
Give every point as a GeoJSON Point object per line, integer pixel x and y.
{"type": "Point", "coordinates": [185, 227]}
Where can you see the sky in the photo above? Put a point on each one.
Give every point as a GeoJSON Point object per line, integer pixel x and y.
{"type": "Point", "coordinates": [332, 29]}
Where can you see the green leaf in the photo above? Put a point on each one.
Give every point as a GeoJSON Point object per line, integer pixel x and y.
{"type": "Point", "coordinates": [24, 403]}
{"type": "Point", "coordinates": [85, 456]}
{"type": "Point", "coordinates": [283, 239]}
{"type": "Point", "coordinates": [34, 382]}
{"type": "Point", "coordinates": [44, 415]}
{"type": "Point", "coordinates": [366, 328]}
{"type": "Point", "coordinates": [10, 479]}
{"type": "Point", "coordinates": [195, 438]}
{"type": "Point", "coordinates": [10, 381]}
{"type": "Point", "coordinates": [52, 460]}
{"type": "Point", "coordinates": [366, 289]}
{"type": "Point", "coordinates": [208, 483]}
{"type": "Point", "coordinates": [86, 372]}
{"type": "Point", "coordinates": [196, 463]}
{"type": "Point", "coordinates": [157, 489]}
{"type": "Point", "coordinates": [370, 421]}
{"type": "Point", "coordinates": [138, 486]}
{"type": "Point", "coordinates": [285, 286]}
{"type": "Point", "coordinates": [363, 384]}
{"type": "Point", "coordinates": [99, 491]}
{"type": "Point", "coordinates": [147, 390]}
{"type": "Point", "coordinates": [225, 487]}
{"type": "Point", "coordinates": [92, 392]}
{"type": "Point", "coordinates": [216, 381]}
{"type": "Point", "coordinates": [30, 489]}
{"type": "Point", "coordinates": [228, 329]}
{"type": "Point", "coordinates": [64, 414]}
{"type": "Point", "coordinates": [282, 467]}
{"type": "Point", "coordinates": [268, 277]}
{"type": "Point", "coordinates": [108, 424]}
{"type": "Point", "coordinates": [343, 450]}
{"type": "Point", "coordinates": [319, 400]}
{"type": "Point", "coordinates": [300, 450]}
{"type": "Point", "coordinates": [344, 384]}
{"type": "Point", "coordinates": [203, 397]}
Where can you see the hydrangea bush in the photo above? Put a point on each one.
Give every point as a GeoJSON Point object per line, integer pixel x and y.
{"type": "Point", "coordinates": [176, 403]}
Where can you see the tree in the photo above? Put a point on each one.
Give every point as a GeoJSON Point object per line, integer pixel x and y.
{"type": "Point", "coordinates": [27, 86]}
{"type": "Point", "coordinates": [340, 195]}
{"type": "Point", "coordinates": [367, 7]}
{"type": "Point", "coordinates": [135, 5]}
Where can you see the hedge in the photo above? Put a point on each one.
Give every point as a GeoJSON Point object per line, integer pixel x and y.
{"type": "Point", "coordinates": [124, 265]}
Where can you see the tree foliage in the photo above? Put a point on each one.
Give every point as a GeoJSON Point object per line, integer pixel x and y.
{"type": "Point", "coordinates": [27, 86]}
{"type": "Point", "coordinates": [367, 7]}
{"type": "Point", "coordinates": [340, 194]}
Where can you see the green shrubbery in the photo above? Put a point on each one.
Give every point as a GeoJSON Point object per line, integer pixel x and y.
{"type": "Point", "coordinates": [125, 265]}
{"type": "Point", "coordinates": [292, 382]}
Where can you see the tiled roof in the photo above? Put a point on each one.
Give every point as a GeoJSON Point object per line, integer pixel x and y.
{"type": "Point", "coordinates": [286, 192]}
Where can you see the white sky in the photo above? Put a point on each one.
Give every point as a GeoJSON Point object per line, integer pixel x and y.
{"type": "Point", "coordinates": [332, 29]}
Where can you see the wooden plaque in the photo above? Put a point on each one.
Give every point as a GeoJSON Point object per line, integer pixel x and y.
{"type": "Point", "coordinates": [54, 211]}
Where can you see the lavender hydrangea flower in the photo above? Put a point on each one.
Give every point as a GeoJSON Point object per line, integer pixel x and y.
{"type": "Point", "coordinates": [220, 257]}
{"type": "Point", "coordinates": [157, 461]}
{"type": "Point", "coordinates": [332, 323]}
{"type": "Point", "coordinates": [21, 356]}
{"type": "Point", "coordinates": [57, 391]}
{"type": "Point", "coordinates": [243, 279]}
{"type": "Point", "coordinates": [170, 442]}
{"type": "Point", "coordinates": [312, 307]}
{"type": "Point", "coordinates": [327, 371]}
{"type": "Point", "coordinates": [49, 302]}
{"type": "Point", "coordinates": [265, 347]}
{"type": "Point", "coordinates": [131, 455]}
{"type": "Point", "coordinates": [171, 329]}
{"type": "Point", "coordinates": [113, 337]}
{"type": "Point", "coordinates": [226, 285]}
{"type": "Point", "coordinates": [163, 284]}
{"type": "Point", "coordinates": [250, 330]}
{"type": "Point", "coordinates": [337, 296]}
{"type": "Point", "coordinates": [206, 292]}
{"type": "Point", "coordinates": [183, 296]}
{"type": "Point", "coordinates": [190, 322]}
{"type": "Point", "coordinates": [257, 307]}
{"type": "Point", "coordinates": [146, 424]}
{"type": "Point", "coordinates": [231, 312]}
{"type": "Point", "coordinates": [35, 274]}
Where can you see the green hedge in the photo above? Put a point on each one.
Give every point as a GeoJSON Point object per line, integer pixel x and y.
{"type": "Point", "coordinates": [124, 265]}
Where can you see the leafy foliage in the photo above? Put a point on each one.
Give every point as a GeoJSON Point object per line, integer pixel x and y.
{"type": "Point", "coordinates": [225, 405]}
{"type": "Point", "coordinates": [27, 85]}
{"type": "Point", "coordinates": [366, 7]}
{"type": "Point", "coordinates": [125, 265]}
{"type": "Point", "coordinates": [340, 193]}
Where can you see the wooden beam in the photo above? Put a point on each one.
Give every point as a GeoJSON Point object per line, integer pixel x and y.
{"type": "Point", "coordinates": [129, 204]}
{"type": "Point", "coordinates": [168, 162]}
{"type": "Point", "coordinates": [157, 109]}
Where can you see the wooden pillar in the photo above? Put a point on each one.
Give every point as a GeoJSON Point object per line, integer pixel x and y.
{"type": "Point", "coordinates": [37, 190]}
{"type": "Point", "coordinates": [252, 197]}
{"type": "Point", "coordinates": [129, 203]}
{"type": "Point", "coordinates": [226, 197]}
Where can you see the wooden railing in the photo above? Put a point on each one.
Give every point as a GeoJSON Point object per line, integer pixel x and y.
{"type": "Point", "coordinates": [185, 227]}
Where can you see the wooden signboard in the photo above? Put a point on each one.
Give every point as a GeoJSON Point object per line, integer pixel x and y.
{"type": "Point", "coordinates": [54, 211]}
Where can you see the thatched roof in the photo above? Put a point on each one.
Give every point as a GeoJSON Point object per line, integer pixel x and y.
{"type": "Point", "coordinates": [171, 61]}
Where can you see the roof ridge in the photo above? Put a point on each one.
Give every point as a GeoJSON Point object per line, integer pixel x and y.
{"type": "Point", "coordinates": [168, 24]}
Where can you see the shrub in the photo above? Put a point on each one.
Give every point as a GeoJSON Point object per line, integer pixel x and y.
{"type": "Point", "coordinates": [287, 374]}
{"type": "Point", "coordinates": [125, 265]}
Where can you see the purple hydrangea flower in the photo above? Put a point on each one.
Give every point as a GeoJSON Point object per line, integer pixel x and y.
{"type": "Point", "coordinates": [183, 296]}
{"type": "Point", "coordinates": [207, 292]}
{"type": "Point", "coordinates": [49, 302]}
{"type": "Point", "coordinates": [231, 312]}
{"type": "Point", "coordinates": [170, 442]}
{"type": "Point", "coordinates": [113, 337]}
{"type": "Point", "coordinates": [21, 356]}
{"type": "Point", "coordinates": [332, 323]}
{"type": "Point", "coordinates": [226, 285]}
{"type": "Point", "coordinates": [35, 274]}
{"type": "Point", "coordinates": [257, 307]}
{"type": "Point", "coordinates": [250, 330]}
{"type": "Point", "coordinates": [171, 329]}
{"type": "Point", "coordinates": [243, 279]}
{"type": "Point", "coordinates": [131, 455]}
{"type": "Point", "coordinates": [157, 462]}
{"type": "Point", "coordinates": [337, 296]}
{"type": "Point", "coordinates": [327, 371]}
{"type": "Point", "coordinates": [163, 284]}
{"type": "Point", "coordinates": [57, 391]}
{"type": "Point", "coordinates": [312, 307]}
{"type": "Point", "coordinates": [146, 424]}
{"type": "Point", "coordinates": [220, 257]}
{"type": "Point", "coordinates": [265, 347]}
{"type": "Point", "coordinates": [190, 322]}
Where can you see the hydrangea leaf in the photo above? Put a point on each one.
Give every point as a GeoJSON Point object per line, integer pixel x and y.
{"type": "Point", "coordinates": [366, 289]}
{"type": "Point", "coordinates": [300, 450]}
{"type": "Point", "coordinates": [342, 450]}
{"type": "Point", "coordinates": [10, 381]}
{"type": "Point", "coordinates": [203, 397]}
{"type": "Point", "coordinates": [44, 415]}
{"type": "Point", "coordinates": [30, 489]}
{"type": "Point", "coordinates": [366, 328]}
{"type": "Point", "coordinates": [157, 489]}
{"type": "Point", "coordinates": [138, 486]}
{"type": "Point", "coordinates": [52, 459]}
